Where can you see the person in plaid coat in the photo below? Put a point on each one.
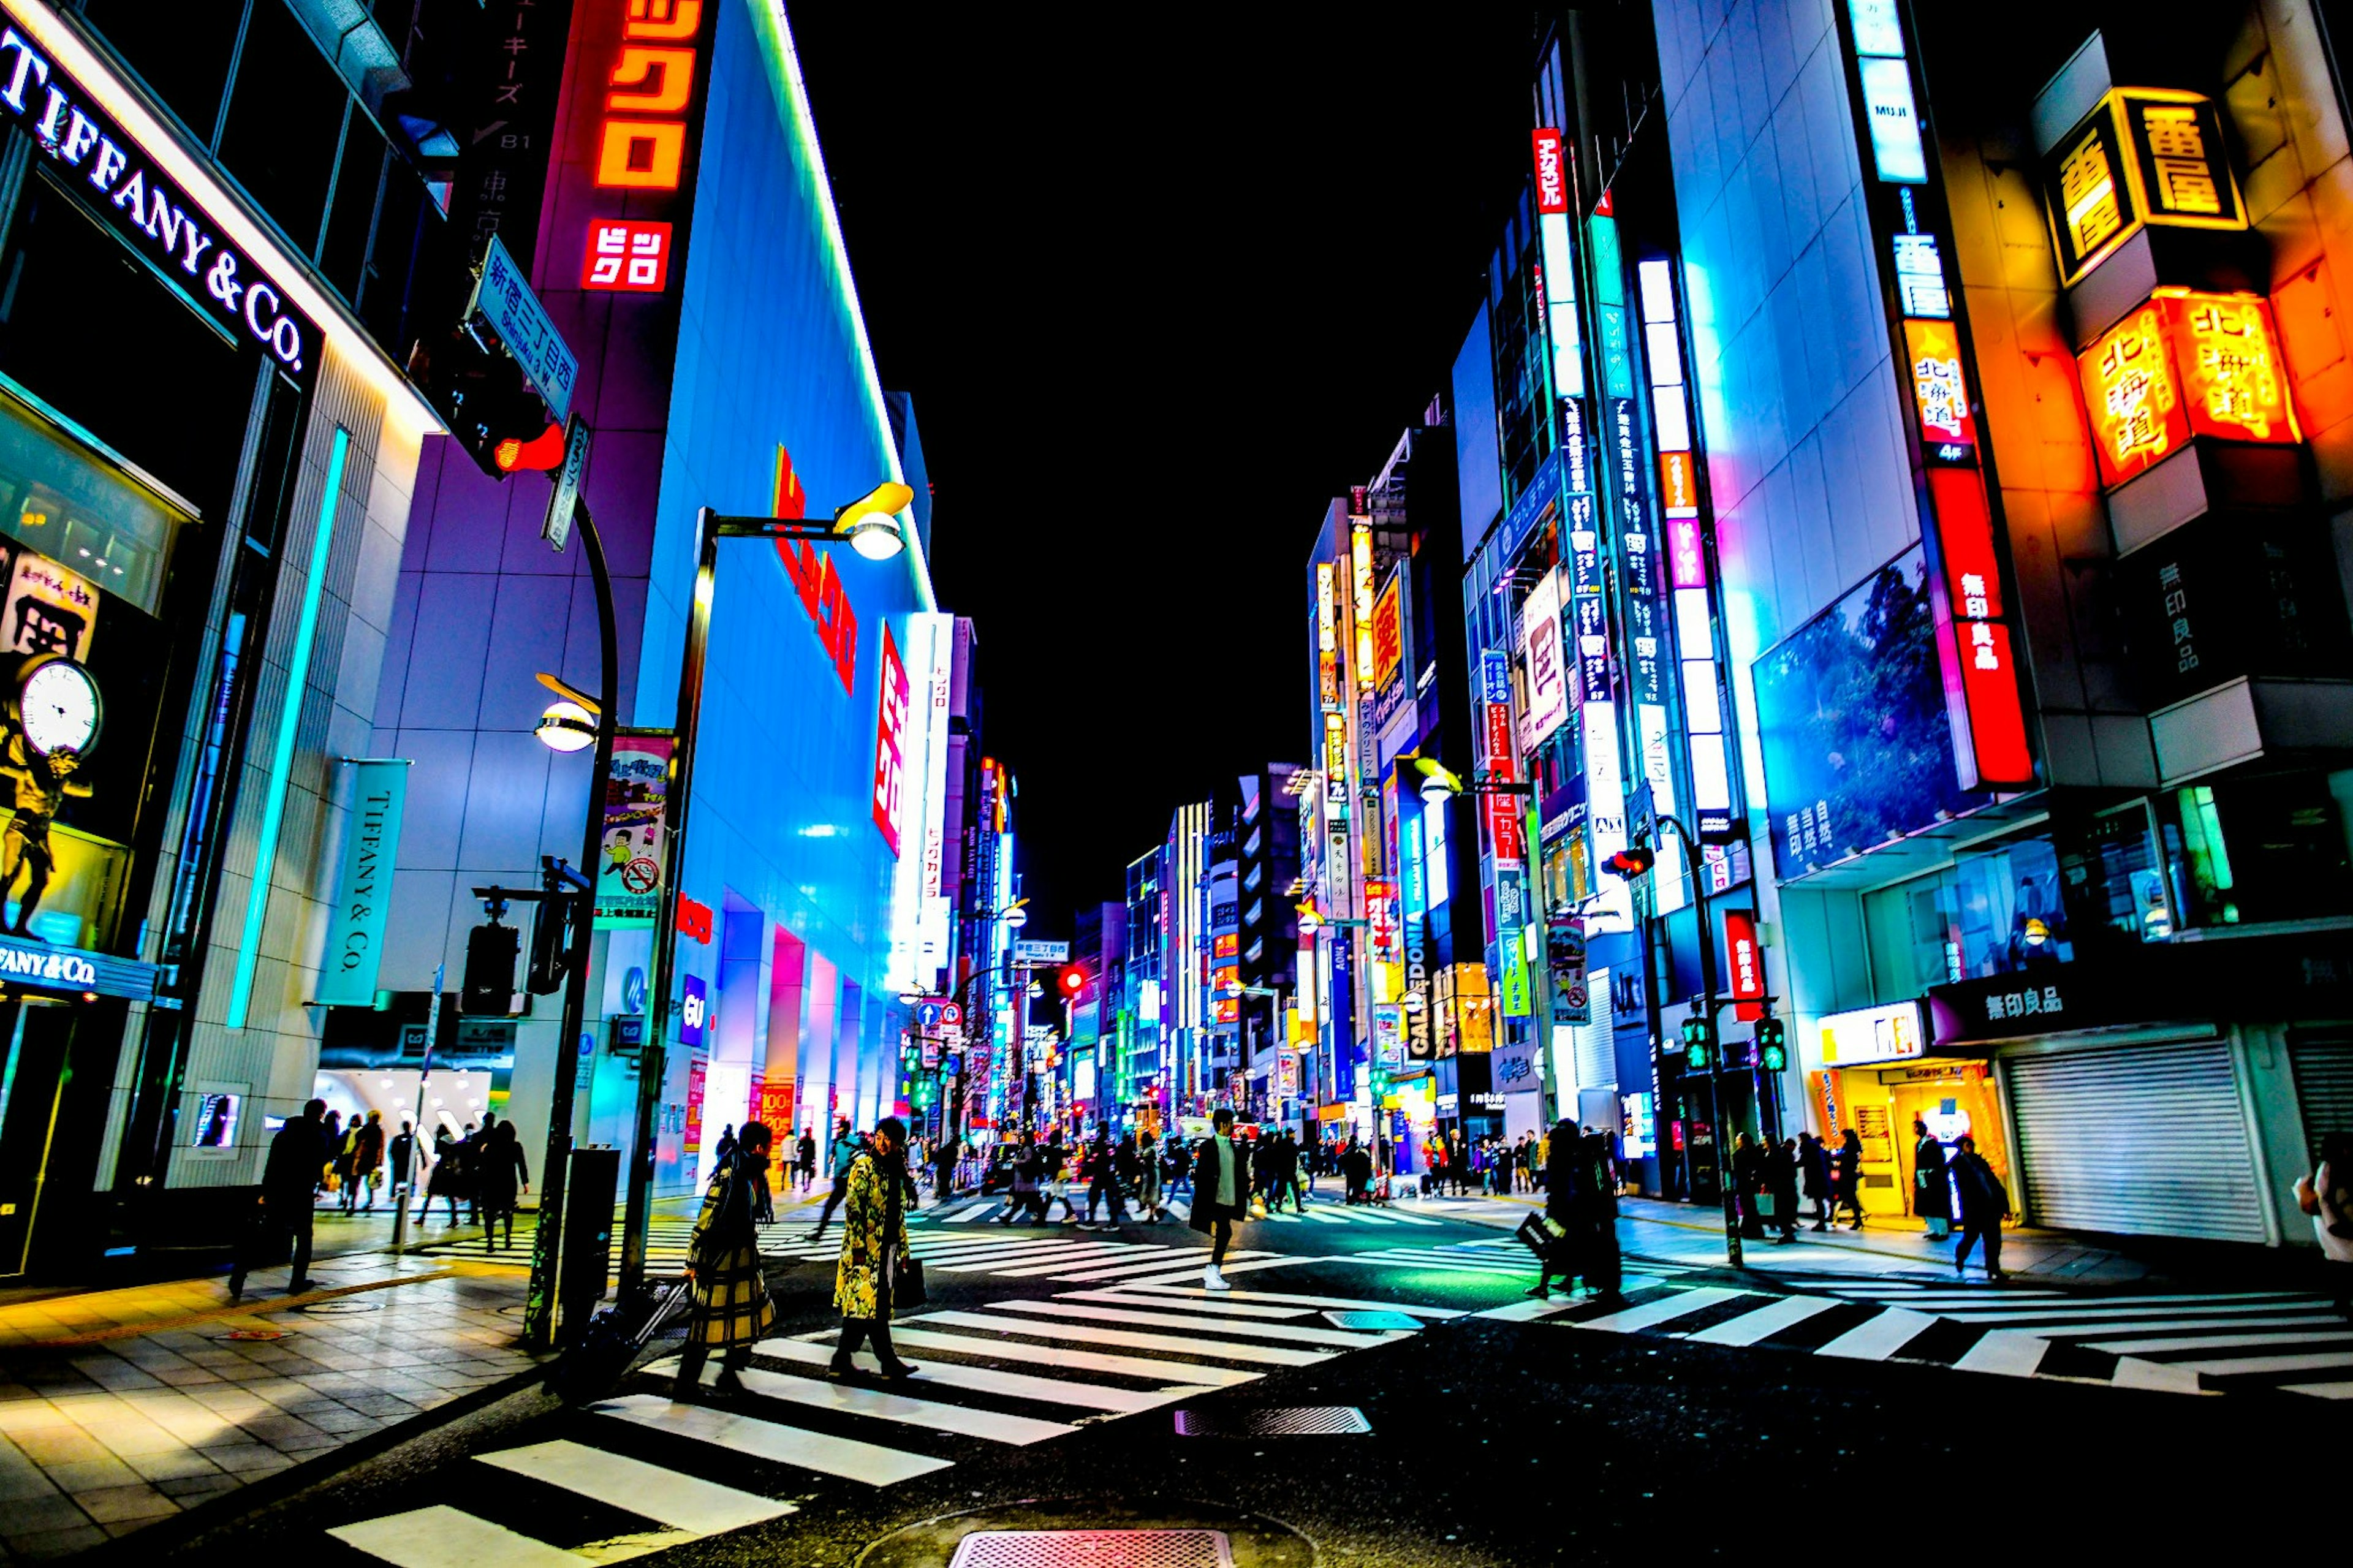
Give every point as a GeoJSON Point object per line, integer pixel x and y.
{"type": "Point", "coordinates": [874, 1251]}
{"type": "Point", "coordinates": [731, 1309]}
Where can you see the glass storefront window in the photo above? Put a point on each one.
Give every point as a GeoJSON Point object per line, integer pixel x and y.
{"type": "Point", "coordinates": [61, 502]}
{"type": "Point", "coordinates": [2261, 849]}
{"type": "Point", "coordinates": [1994, 912]}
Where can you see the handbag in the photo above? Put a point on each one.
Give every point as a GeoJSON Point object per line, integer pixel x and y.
{"type": "Point", "coordinates": [908, 1288]}
{"type": "Point", "coordinates": [1764, 1205]}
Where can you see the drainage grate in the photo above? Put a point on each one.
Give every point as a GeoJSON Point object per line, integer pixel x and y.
{"type": "Point", "coordinates": [1094, 1549]}
{"type": "Point", "coordinates": [1284, 1421]}
{"type": "Point", "coordinates": [341, 1306]}
{"type": "Point", "coordinates": [1381, 1321]}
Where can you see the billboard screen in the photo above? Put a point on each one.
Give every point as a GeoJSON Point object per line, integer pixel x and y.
{"type": "Point", "coordinates": [1858, 748]}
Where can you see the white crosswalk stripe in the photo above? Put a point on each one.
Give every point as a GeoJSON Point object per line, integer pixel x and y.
{"type": "Point", "coordinates": [2183, 1341]}
{"type": "Point", "coordinates": [1011, 1374]}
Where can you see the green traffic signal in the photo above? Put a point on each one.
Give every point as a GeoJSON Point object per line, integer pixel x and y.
{"type": "Point", "coordinates": [1775, 1057]}
{"type": "Point", "coordinates": [1697, 1059]}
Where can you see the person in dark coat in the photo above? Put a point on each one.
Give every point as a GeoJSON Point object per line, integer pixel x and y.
{"type": "Point", "coordinates": [1781, 1182]}
{"type": "Point", "coordinates": [402, 1154]}
{"type": "Point", "coordinates": [1220, 1193]}
{"type": "Point", "coordinates": [1814, 1169]}
{"type": "Point", "coordinates": [1984, 1204]}
{"type": "Point", "coordinates": [1932, 1192]}
{"type": "Point", "coordinates": [497, 1169]}
{"type": "Point", "coordinates": [448, 1175]}
{"type": "Point", "coordinates": [1563, 1214]}
{"type": "Point", "coordinates": [290, 1186]}
{"type": "Point", "coordinates": [1355, 1171]}
{"type": "Point", "coordinates": [1596, 1206]}
{"type": "Point", "coordinates": [1848, 1164]}
{"type": "Point", "coordinates": [1748, 1180]}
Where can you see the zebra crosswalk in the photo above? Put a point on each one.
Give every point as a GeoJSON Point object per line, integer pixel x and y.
{"type": "Point", "coordinates": [1316, 1211]}
{"type": "Point", "coordinates": [1504, 1257]}
{"type": "Point", "coordinates": [2191, 1342]}
{"type": "Point", "coordinates": [642, 1471]}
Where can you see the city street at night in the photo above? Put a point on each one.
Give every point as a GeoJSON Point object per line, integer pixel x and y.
{"type": "Point", "coordinates": [1327, 787]}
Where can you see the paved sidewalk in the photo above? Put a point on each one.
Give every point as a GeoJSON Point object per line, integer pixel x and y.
{"type": "Point", "coordinates": [121, 1407]}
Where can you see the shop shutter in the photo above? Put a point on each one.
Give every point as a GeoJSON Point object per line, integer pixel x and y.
{"type": "Point", "coordinates": [1596, 1044]}
{"type": "Point", "coordinates": [2136, 1141]}
{"type": "Point", "coordinates": [2323, 1087]}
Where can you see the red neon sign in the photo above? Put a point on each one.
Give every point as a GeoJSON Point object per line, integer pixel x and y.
{"type": "Point", "coordinates": [643, 143]}
{"type": "Point", "coordinates": [891, 724]}
{"type": "Point", "coordinates": [1988, 678]}
{"type": "Point", "coordinates": [694, 919]}
{"type": "Point", "coordinates": [1744, 960]}
{"type": "Point", "coordinates": [625, 256]}
{"type": "Point", "coordinates": [1552, 173]}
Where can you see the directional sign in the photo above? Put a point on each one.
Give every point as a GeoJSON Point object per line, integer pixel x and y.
{"type": "Point", "coordinates": [557, 529]}
{"type": "Point", "coordinates": [937, 1013]}
{"type": "Point", "coordinates": [1036, 955]}
{"type": "Point", "coordinates": [503, 301]}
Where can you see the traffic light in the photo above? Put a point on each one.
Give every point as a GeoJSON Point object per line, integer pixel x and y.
{"type": "Point", "coordinates": [1770, 1049]}
{"type": "Point", "coordinates": [1698, 1043]}
{"type": "Point", "coordinates": [489, 986]}
{"type": "Point", "coordinates": [1070, 981]}
{"type": "Point", "coordinates": [550, 948]}
{"type": "Point", "coordinates": [1632, 861]}
{"type": "Point", "coordinates": [541, 452]}
{"type": "Point", "coordinates": [491, 410]}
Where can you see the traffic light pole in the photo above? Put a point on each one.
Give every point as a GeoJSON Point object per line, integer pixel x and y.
{"type": "Point", "coordinates": [1725, 1183]}
{"type": "Point", "coordinates": [539, 1308]}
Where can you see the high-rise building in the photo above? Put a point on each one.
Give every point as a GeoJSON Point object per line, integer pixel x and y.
{"type": "Point", "coordinates": [2014, 350]}
{"type": "Point", "coordinates": [219, 227]}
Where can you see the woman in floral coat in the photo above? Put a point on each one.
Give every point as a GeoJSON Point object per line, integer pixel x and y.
{"type": "Point", "coordinates": [874, 1251]}
{"type": "Point", "coordinates": [731, 1309]}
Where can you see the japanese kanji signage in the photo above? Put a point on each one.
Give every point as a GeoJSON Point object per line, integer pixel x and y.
{"type": "Point", "coordinates": [2145, 155]}
{"type": "Point", "coordinates": [2185, 364]}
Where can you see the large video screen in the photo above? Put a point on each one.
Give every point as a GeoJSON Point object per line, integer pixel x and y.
{"type": "Point", "coordinates": [1858, 748]}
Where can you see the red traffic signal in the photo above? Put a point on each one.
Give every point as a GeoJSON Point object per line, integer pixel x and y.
{"type": "Point", "coordinates": [1070, 982]}
{"type": "Point", "coordinates": [1632, 862]}
{"type": "Point", "coordinates": [542, 451]}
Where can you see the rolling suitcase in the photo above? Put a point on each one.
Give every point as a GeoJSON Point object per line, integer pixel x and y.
{"type": "Point", "coordinates": [614, 1339]}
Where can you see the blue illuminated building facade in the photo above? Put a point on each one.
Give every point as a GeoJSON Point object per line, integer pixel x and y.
{"type": "Point", "coordinates": [731, 371]}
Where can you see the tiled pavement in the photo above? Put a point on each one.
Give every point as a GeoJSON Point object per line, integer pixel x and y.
{"type": "Point", "coordinates": [121, 1407]}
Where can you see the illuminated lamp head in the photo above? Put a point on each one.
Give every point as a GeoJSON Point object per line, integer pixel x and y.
{"type": "Point", "coordinates": [870, 523]}
{"type": "Point", "coordinates": [567, 727]}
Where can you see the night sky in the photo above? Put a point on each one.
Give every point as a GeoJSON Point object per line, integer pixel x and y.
{"type": "Point", "coordinates": [1158, 295]}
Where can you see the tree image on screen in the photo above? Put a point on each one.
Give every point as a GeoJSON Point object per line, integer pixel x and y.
{"type": "Point", "coordinates": [1858, 748]}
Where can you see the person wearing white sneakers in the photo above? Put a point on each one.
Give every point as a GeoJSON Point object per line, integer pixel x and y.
{"type": "Point", "coordinates": [1220, 1190]}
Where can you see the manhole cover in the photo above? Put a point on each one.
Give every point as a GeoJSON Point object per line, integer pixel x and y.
{"type": "Point", "coordinates": [1094, 1549]}
{"type": "Point", "coordinates": [252, 1334]}
{"type": "Point", "coordinates": [1382, 1321]}
{"type": "Point", "coordinates": [340, 1307]}
{"type": "Point", "coordinates": [1284, 1421]}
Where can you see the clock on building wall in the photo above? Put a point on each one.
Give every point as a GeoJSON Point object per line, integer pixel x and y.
{"type": "Point", "coordinates": [55, 704]}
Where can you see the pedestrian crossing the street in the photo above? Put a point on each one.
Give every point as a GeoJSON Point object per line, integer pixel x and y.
{"type": "Point", "coordinates": [642, 1472]}
{"type": "Point", "coordinates": [2292, 1341]}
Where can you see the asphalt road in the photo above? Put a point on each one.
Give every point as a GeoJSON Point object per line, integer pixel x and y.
{"type": "Point", "coordinates": [1713, 1416]}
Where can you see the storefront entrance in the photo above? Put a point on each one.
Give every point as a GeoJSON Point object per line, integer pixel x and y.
{"type": "Point", "coordinates": [1956, 1100]}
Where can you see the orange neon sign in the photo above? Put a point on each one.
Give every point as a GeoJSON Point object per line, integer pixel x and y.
{"type": "Point", "coordinates": [643, 146]}
{"type": "Point", "coordinates": [2185, 364]}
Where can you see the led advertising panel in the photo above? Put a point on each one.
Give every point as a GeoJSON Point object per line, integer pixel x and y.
{"type": "Point", "coordinates": [1858, 748]}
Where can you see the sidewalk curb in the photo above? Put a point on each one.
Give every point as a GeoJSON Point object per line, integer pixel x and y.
{"type": "Point", "coordinates": [182, 1530]}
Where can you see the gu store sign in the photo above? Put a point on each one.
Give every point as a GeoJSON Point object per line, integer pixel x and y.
{"type": "Point", "coordinates": [177, 238]}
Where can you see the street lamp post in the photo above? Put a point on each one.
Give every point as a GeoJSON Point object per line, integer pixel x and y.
{"type": "Point", "coordinates": [560, 730]}
{"type": "Point", "coordinates": [870, 525]}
